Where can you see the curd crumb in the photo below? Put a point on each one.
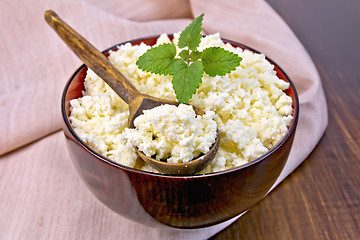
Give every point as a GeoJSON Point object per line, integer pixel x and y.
{"type": "Point", "coordinates": [173, 134]}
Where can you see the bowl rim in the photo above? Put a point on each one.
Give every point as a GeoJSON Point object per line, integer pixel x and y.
{"type": "Point", "coordinates": [291, 129]}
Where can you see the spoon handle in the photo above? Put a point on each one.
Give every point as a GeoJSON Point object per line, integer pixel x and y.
{"type": "Point", "coordinates": [93, 58]}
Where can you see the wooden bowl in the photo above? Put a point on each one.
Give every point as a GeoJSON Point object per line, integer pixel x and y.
{"type": "Point", "coordinates": [177, 201]}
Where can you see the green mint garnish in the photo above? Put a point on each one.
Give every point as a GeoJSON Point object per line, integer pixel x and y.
{"type": "Point", "coordinates": [184, 54]}
{"type": "Point", "coordinates": [191, 36]}
{"type": "Point", "coordinates": [195, 55]}
{"type": "Point", "coordinates": [218, 61]}
{"type": "Point", "coordinates": [158, 59]}
{"type": "Point", "coordinates": [187, 69]}
{"type": "Point", "coordinates": [186, 79]}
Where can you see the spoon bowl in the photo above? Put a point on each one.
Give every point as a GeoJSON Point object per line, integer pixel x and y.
{"type": "Point", "coordinates": [137, 102]}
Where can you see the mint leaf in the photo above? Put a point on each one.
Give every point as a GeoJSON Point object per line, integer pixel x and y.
{"type": "Point", "coordinates": [184, 54]}
{"type": "Point", "coordinates": [158, 59]}
{"type": "Point", "coordinates": [195, 55]}
{"type": "Point", "coordinates": [218, 61]}
{"type": "Point", "coordinates": [186, 79]}
{"type": "Point", "coordinates": [191, 36]}
{"type": "Point", "coordinates": [178, 66]}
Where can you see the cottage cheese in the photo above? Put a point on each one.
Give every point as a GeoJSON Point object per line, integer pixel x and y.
{"type": "Point", "coordinates": [250, 108]}
{"type": "Point", "coordinates": [173, 133]}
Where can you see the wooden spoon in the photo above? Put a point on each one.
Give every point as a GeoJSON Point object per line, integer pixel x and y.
{"type": "Point", "coordinates": [137, 102]}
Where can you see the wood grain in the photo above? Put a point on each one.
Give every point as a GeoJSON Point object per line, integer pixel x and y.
{"type": "Point", "coordinates": [321, 199]}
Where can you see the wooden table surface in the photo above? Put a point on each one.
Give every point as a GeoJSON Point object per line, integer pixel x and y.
{"type": "Point", "coordinates": [321, 199]}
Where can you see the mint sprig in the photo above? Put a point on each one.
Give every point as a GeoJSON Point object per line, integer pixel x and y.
{"type": "Point", "coordinates": [187, 69]}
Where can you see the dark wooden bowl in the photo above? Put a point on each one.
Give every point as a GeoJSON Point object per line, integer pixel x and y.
{"type": "Point", "coordinates": [177, 201]}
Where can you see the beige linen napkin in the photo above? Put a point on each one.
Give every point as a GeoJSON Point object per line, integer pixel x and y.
{"type": "Point", "coordinates": [41, 195]}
